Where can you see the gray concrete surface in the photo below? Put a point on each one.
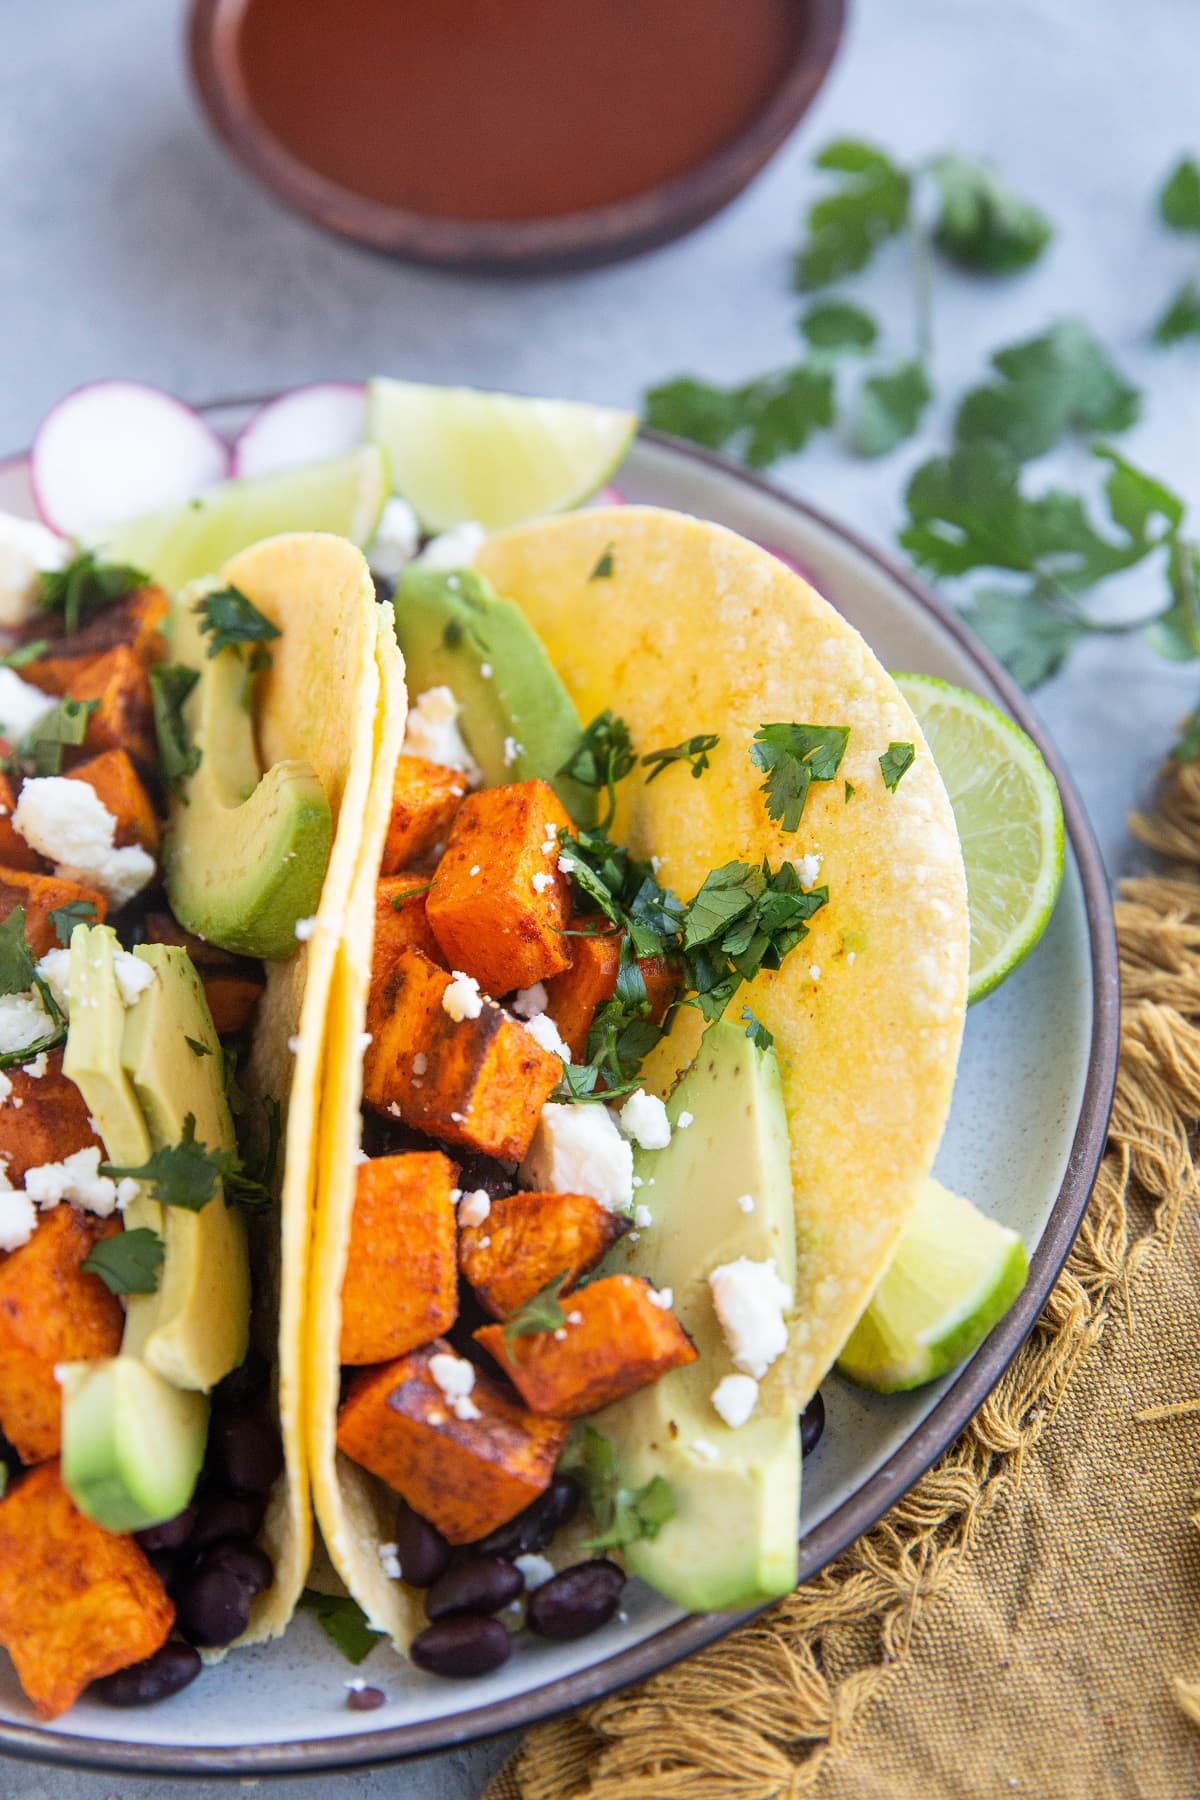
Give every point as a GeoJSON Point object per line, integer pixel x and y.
{"type": "Point", "coordinates": [128, 244]}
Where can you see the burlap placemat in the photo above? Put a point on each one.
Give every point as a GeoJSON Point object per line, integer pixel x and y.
{"type": "Point", "coordinates": [1027, 1620]}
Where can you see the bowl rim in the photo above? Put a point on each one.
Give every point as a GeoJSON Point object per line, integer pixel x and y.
{"type": "Point", "coordinates": [868, 1503]}
{"type": "Point", "coordinates": [588, 236]}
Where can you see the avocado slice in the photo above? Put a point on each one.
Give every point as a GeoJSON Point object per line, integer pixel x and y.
{"type": "Point", "coordinates": [246, 853]}
{"type": "Point", "coordinates": [132, 1445]}
{"type": "Point", "coordinates": [733, 1540]}
{"type": "Point", "coordinates": [452, 625]}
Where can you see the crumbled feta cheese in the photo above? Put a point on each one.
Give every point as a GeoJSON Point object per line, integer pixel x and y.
{"type": "Point", "coordinates": [305, 929]}
{"type": "Point", "coordinates": [17, 1219]}
{"type": "Point", "coordinates": [575, 1318]}
{"type": "Point", "coordinates": [396, 538]}
{"type": "Point", "coordinates": [133, 976]}
{"type": "Point", "coordinates": [474, 869]}
{"type": "Point", "coordinates": [566, 865]}
{"type": "Point", "coordinates": [541, 881]}
{"type": "Point", "coordinates": [360, 1156]}
{"type": "Point", "coordinates": [127, 1190]}
{"type": "Point", "coordinates": [535, 1569]}
{"type": "Point", "coordinates": [432, 732]}
{"type": "Point", "coordinates": [808, 867]}
{"type": "Point", "coordinates": [702, 1447]}
{"type": "Point", "coordinates": [486, 670]}
{"type": "Point", "coordinates": [578, 1150]}
{"type": "Point", "coordinates": [663, 1298]}
{"type": "Point", "coordinates": [545, 1032]}
{"type": "Point", "coordinates": [23, 1020]}
{"type": "Point", "coordinates": [35, 1069]}
{"type": "Point", "coordinates": [389, 1556]}
{"type": "Point", "coordinates": [746, 1202]}
{"type": "Point", "coordinates": [850, 955]}
{"type": "Point", "coordinates": [6, 1086]}
{"type": "Point", "coordinates": [420, 1063]}
{"type": "Point", "coordinates": [734, 1399]}
{"type": "Point", "coordinates": [453, 549]}
{"type": "Point", "coordinates": [473, 1208]}
{"type": "Point", "coordinates": [643, 1218]}
{"type": "Point", "coordinates": [456, 1377]}
{"type": "Point", "coordinates": [294, 1043]}
{"type": "Point", "coordinates": [511, 751]}
{"type": "Point", "coordinates": [27, 549]}
{"type": "Point", "coordinates": [67, 822]}
{"type": "Point", "coordinates": [53, 969]}
{"type": "Point", "coordinates": [814, 972]}
{"type": "Point", "coordinates": [560, 1334]}
{"type": "Point", "coordinates": [684, 1120]}
{"type": "Point", "coordinates": [750, 1300]}
{"type": "Point", "coordinates": [462, 999]}
{"type": "Point", "coordinates": [21, 705]}
{"type": "Point", "coordinates": [528, 1002]}
{"type": "Point", "coordinates": [77, 1179]}
{"type": "Point", "coordinates": [644, 1119]}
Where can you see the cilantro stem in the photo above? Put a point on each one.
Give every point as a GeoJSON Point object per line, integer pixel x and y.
{"type": "Point", "coordinates": [921, 250]}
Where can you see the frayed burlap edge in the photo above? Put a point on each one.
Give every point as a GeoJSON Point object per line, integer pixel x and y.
{"type": "Point", "coordinates": [756, 1716]}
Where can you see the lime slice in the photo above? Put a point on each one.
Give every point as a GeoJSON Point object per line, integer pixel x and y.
{"type": "Point", "coordinates": [954, 1275]}
{"type": "Point", "coordinates": [1009, 819]}
{"type": "Point", "coordinates": [459, 454]}
{"type": "Point", "coordinates": [344, 494]}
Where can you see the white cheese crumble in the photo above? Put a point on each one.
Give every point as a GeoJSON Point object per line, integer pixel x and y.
{"type": "Point", "coordinates": [27, 550]}
{"type": "Point", "coordinates": [486, 670]}
{"type": "Point", "coordinates": [35, 1069]}
{"type": "Point", "coordinates": [814, 972]}
{"type": "Point", "coordinates": [535, 1569]}
{"type": "Point", "coordinates": [474, 1207]}
{"type": "Point", "coordinates": [77, 1179]}
{"type": "Point", "coordinates": [420, 1063]}
{"type": "Point", "coordinates": [541, 881]}
{"type": "Point", "coordinates": [750, 1301]}
{"type": "Point", "coordinates": [133, 976]}
{"type": "Point", "coordinates": [511, 751]}
{"type": "Point", "coordinates": [53, 969]}
{"type": "Point", "coordinates": [808, 867]}
{"type": "Point", "coordinates": [389, 1557]}
{"type": "Point", "coordinates": [644, 1119]}
{"type": "Point", "coordinates": [578, 1150]}
{"type": "Point", "coordinates": [453, 549]}
{"type": "Point", "coordinates": [544, 1031]}
{"type": "Point", "coordinates": [6, 1085]}
{"type": "Point", "coordinates": [294, 1043]}
{"type": "Point", "coordinates": [702, 1447]}
{"type": "Point", "coordinates": [456, 1377]}
{"type": "Point", "coordinates": [23, 1020]}
{"type": "Point", "coordinates": [734, 1399]}
{"type": "Point", "coordinates": [663, 1298]}
{"type": "Point", "coordinates": [643, 1218]}
{"type": "Point", "coordinates": [305, 928]}
{"type": "Point", "coordinates": [21, 705]}
{"type": "Point", "coordinates": [432, 732]}
{"type": "Point", "coordinates": [462, 999]}
{"type": "Point", "coordinates": [684, 1120]}
{"type": "Point", "coordinates": [67, 822]}
{"type": "Point", "coordinates": [17, 1219]}
{"type": "Point", "coordinates": [528, 1002]}
{"type": "Point", "coordinates": [745, 1203]}
{"type": "Point", "coordinates": [396, 538]}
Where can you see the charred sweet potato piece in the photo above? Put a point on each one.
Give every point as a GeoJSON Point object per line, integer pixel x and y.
{"type": "Point", "coordinates": [116, 679]}
{"type": "Point", "coordinates": [119, 787]}
{"type": "Point", "coordinates": [466, 1476]}
{"type": "Point", "coordinates": [43, 1119]}
{"type": "Point", "coordinates": [50, 1312]}
{"type": "Point", "coordinates": [15, 853]}
{"type": "Point", "coordinates": [662, 980]}
{"type": "Point", "coordinates": [400, 1287]}
{"type": "Point", "coordinates": [617, 1340]}
{"type": "Point", "coordinates": [400, 922]}
{"type": "Point", "coordinates": [425, 798]}
{"type": "Point", "coordinates": [76, 1602]}
{"type": "Point", "coordinates": [41, 895]}
{"type": "Point", "coordinates": [528, 1240]}
{"type": "Point", "coordinates": [478, 1082]}
{"type": "Point", "coordinates": [499, 903]}
{"type": "Point", "coordinates": [136, 620]}
{"type": "Point", "coordinates": [574, 997]}
{"type": "Point", "coordinates": [233, 985]}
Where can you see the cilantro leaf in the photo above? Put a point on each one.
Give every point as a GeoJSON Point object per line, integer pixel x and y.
{"type": "Point", "coordinates": [896, 760]}
{"type": "Point", "coordinates": [845, 227]}
{"type": "Point", "coordinates": [66, 917]}
{"type": "Point", "coordinates": [604, 566]}
{"type": "Point", "coordinates": [1060, 382]}
{"type": "Point", "coordinates": [889, 408]}
{"type": "Point", "coordinates": [983, 223]}
{"type": "Point", "coordinates": [742, 919]}
{"type": "Point", "coordinates": [839, 328]}
{"type": "Point", "coordinates": [759, 1036]}
{"type": "Point", "coordinates": [1030, 632]}
{"type": "Point", "coordinates": [694, 751]}
{"type": "Point", "coordinates": [699, 410]}
{"type": "Point", "coordinates": [622, 1515]}
{"type": "Point", "coordinates": [24, 654]}
{"type": "Point", "coordinates": [603, 756]}
{"type": "Point", "coordinates": [783, 410]}
{"type": "Point", "coordinates": [85, 585]}
{"type": "Point", "coordinates": [16, 958]}
{"type": "Point", "coordinates": [1175, 634]}
{"type": "Point", "coordinates": [1179, 196]}
{"type": "Point", "coordinates": [178, 757]}
{"type": "Point", "coordinates": [228, 617]}
{"type": "Point", "coordinates": [196, 1047]}
{"type": "Point", "coordinates": [343, 1621]}
{"type": "Point", "coordinates": [127, 1263]}
{"type": "Point", "coordinates": [1182, 317]}
{"type": "Point", "coordinates": [541, 1312]}
{"type": "Point", "coordinates": [66, 723]}
{"type": "Point", "coordinates": [188, 1174]}
{"type": "Point", "coordinates": [794, 756]}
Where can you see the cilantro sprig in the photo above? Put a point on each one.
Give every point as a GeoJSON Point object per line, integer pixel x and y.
{"type": "Point", "coordinates": [603, 756]}
{"type": "Point", "coordinates": [190, 1174]}
{"type": "Point", "coordinates": [65, 724]}
{"type": "Point", "coordinates": [229, 619]}
{"type": "Point", "coordinates": [793, 756]}
{"type": "Point", "coordinates": [541, 1312]}
{"type": "Point", "coordinates": [744, 918]}
{"type": "Point", "coordinates": [129, 1262]}
{"type": "Point", "coordinates": [178, 757]}
{"type": "Point", "coordinates": [622, 1514]}
{"type": "Point", "coordinates": [693, 751]}
{"type": "Point", "coordinates": [86, 584]}
{"type": "Point", "coordinates": [343, 1621]}
{"type": "Point", "coordinates": [65, 918]}
{"type": "Point", "coordinates": [895, 762]}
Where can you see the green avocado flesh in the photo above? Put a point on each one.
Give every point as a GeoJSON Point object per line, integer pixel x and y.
{"type": "Point", "coordinates": [452, 626]}
{"type": "Point", "coordinates": [246, 852]}
{"type": "Point", "coordinates": [733, 1539]}
{"type": "Point", "coordinates": [132, 1445]}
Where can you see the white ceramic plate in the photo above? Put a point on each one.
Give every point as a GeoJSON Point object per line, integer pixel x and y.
{"type": "Point", "coordinates": [1025, 1136]}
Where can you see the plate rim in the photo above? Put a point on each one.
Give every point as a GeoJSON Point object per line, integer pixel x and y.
{"type": "Point", "coordinates": [867, 1504]}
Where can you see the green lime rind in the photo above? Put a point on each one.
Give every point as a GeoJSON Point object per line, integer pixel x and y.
{"type": "Point", "coordinates": [1009, 817]}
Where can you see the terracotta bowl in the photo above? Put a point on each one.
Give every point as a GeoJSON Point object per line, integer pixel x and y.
{"type": "Point", "coordinates": [597, 234]}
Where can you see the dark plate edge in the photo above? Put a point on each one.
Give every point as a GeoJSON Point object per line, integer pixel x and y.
{"type": "Point", "coordinates": [866, 1506]}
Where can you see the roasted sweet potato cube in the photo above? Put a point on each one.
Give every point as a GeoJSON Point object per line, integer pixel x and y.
{"type": "Point", "coordinates": [400, 1287]}
{"type": "Point", "coordinates": [119, 787]}
{"type": "Point", "coordinates": [400, 922]}
{"type": "Point", "coordinates": [43, 1117]}
{"type": "Point", "coordinates": [116, 679]}
{"type": "Point", "coordinates": [466, 1476]}
{"type": "Point", "coordinates": [617, 1340]}
{"type": "Point", "coordinates": [478, 1082]}
{"type": "Point", "coordinates": [573, 998]}
{"type": "Point", "coordinates": [15, 853]}
{"type": "Point", "coordinates": [425, 798]}
{"type": "Point", "coordinates": [136, 621]}
{"type": "Point", "coordinates": [76, 1602]}
{"type": "Point", "coordinates": [231, 998]}
{"type": "Point", "coordinates": [528, 1240]}
{"type": "Point", "coordinates": [41, 895]}
{"type": "Point", "coordinates": [50, 1312]}
{"type": "Point", "coordinates": [662, 980]}
{"type": "Point", "coordinates": [499, 902]}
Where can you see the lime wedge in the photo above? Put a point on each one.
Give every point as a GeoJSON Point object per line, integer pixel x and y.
{"type": "Point", "coordinates": [458, 453]}
{"type": "Point", "coordinates": [1009, 819]}
{"type": "Point", "coordinates": [954, 1275]}
{"type": "Point", "coordinates": [344, 494]}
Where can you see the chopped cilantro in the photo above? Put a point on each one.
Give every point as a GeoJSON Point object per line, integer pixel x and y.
{"type": "Point", "coordinates": [178, 757]}
{"type": "Point", "coordinates": [744, 918]}
{"type": "Point", "coordinates": [541, 1312]}
{"type": "Point", "coordinates": [694, 751]}
{"type": "Point", "coordinates": [604, 566]}
{"type": "Point", "coordinates": [85, 585]}
{"type": "Point", "coordinates": [622, 1515]}
{"type": "Point", "coordinates": [18, 975]}
{"type": "Point", "coordinates": [984, 224]}
{"type": "Point", "coordinates": [759, 1036]}
{"type": "Point", "coordinates": [849, 792]}
{"type": "Point", "coordinates": [196, 1047]}
{"type": "Point", "coordinates": [343, 1621]}
{"type": "Point", "coordinates": [24, 654]}
{"type": "Point", "coordinates": [794, 756]}
{"type": "Point", "coordinates": [188, 1174]}
{"type": "Point", "coordinates": [400, 901]}
{"type": "Point", "coordinates": [127, 1263]}
{"type": "Point", "coordinates": [603, 756]}
{"type": "Point", "coordinates": [66, 917]}
{"type": "Point", "coordinates": [230, 618]}
{"type": "Point", "coordinates": [66, 723]}
{"type": "Point", "coordinates": [896, 760]}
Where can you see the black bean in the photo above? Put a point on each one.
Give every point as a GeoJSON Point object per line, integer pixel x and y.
{"type": "Point", "coordinates": [245, 1452]}
{"type": "Point", "coordinates": [483, 1584]}
{"type": "Point", "coordinates": [227, 1516]}
{"type": "Point", "coordinates": [579, 1600]}
{"type": "Point", "coordinates": [812, 1424]}
{"type": "Point", "coordinates": [251, 1566]}
{"type": "Point", "coordinates": [365, 1699]}
{"type": "Point", "coordinates": [172, 1534]}
{"type": "Point", "coordinates": [423, 1551]}
{"type": "Point", "coordinates": [212, 1606]}
{"type": "Point", "coordinates": [165, 1673]}
{"type": "Point", "coordinates": [165, 1564]}
{"type": "Point", "coordinates": [245, 1386]}
{"type": "Point", "coordinates": [532, 1529]}
{"type": "Point", "coordinates": [463, 1646]}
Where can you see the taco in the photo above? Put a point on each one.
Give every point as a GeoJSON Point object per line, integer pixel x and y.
{"type": "Point", "coordinates": [643, 1033]}
{"type": "Point", "coordinates": [162, 1021]}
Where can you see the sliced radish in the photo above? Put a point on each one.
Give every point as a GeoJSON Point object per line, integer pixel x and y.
{"type": "Point", "coordinates": [610, 496]}
{"type": "Point", "coordinates": [116, 448]}
{"type": "Point", "coordinates": [303, 426]}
